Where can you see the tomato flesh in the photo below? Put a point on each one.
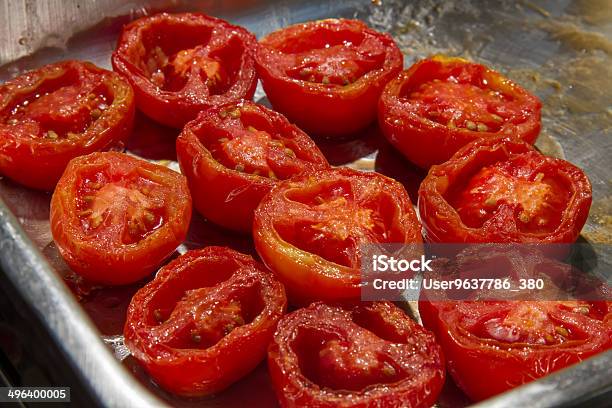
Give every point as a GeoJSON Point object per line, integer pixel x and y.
{"type": "Point", "coordinates": [494, 344]}
{"type": "Point", "coordinates": [536, 199]}
{"type": "Point", "coordinates": [109, 202]}
{"type": "Point", "coordinates": [459, 105]}
{"type": "Point", "coordinates": [58, 112]}
{"type": "Point", "coordinates": [181, 64]}
{"type": "Point", "coordinates": [340, 59]}
{"type": "Point", "coordinates": [326, 76]}
{"type": "Point", "coordinates": [440, 104]}
{"type": "Point", "coordinates": [341, 226]}
{"type": "Point", "coordinates": [205, 321]}
{"type": "Point", "coordinates": [502, 190]}
{"type": "Point", "coordinates": [310, 229]}
{"type": "Point", "coordinates": [354, 356]}
{"type": "Point", "coordinates": [233, 154]}
{"type": "Point", "coordinates": [115, 218]}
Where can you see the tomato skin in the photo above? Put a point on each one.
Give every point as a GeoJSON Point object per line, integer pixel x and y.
{"type": "Point", "coordinates": [483, 370]}
{"type": "Point", "coordinates": [296, 388]}
{"type": "Point", "coordinates": [101, 255]}
{"type": "Point", "coordinates": [174, 105]}
{"type": "Point", "coordinates": [308, 273]}
{"type": "Point", "coordinates": [327, 110]}
{"type": "Point", "coordinates": [35, 161]}
{"type": "Point", "coordinates": [227, 196]}
{"type": "Point", "coordinates": [425, 141]}
{"type": "Point", "coordinates": [442, 222]}
{"type": "Point", "coordinates": [193, 371]}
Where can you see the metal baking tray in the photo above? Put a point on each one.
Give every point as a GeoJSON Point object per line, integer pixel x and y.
{"type": "Point", "coordinates": [557, 49]}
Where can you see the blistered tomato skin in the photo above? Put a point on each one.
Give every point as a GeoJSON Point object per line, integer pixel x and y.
{"type": "Point", "coordinates": [326, 76]}
{"type": "Point", "coordinates": [503, 190]}
{"type": "Point", "coordinates": [115, 218]}
{"type": "Point", "coordinates": [205, 321]}
{"type": "Point", "coordinates": [363, 355]}
{"type": "Point", "coordinates": [180, 64]}
{"type": "Point", "coordinates": [309, 230]}
{"type": "Point", "coordinates": [234, 154]}
{"type": "Point", "coordinates": [440, 104]}
{"type": "Point", "coordinates": [58, 112]}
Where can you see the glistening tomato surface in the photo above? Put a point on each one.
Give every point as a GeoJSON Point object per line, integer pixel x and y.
{"type": "Point", "coordinates": [503, 190]}
{"type": "Point", "coordinates": [326, 76]}
{"type": "Point", "coordinates": [181, 64]}
{"type": "Point", "coordinates": [58, 112]}
{"type": "Point", "coordinates": [493, 346]}
{"type": "Point", "coordinates": [367, 355]}
{"type": "Point", "coordinates": [309, 229]}
{"type": "Point", "coordinates": [235, 153]}
{"type": "Point", "coordinates": [205, 320]}
{"type": "Point", "coordinates": [115, 218]}
{"type": "Point", "coordinates": [495, 339]}
{"type": "Point", "coordinates": [440, 104]}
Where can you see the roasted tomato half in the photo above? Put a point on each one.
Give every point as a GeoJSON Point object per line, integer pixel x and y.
{"type": "Point", "coordinates": [235, 153]}
{"type": "Point", "coordinates": [366, 355]}
{"type": "Point", "coordinates": [440, 104]}
{"type": "Point", "coordinates": [496, 339]}
{"type": "Point", "coordinates": [493, 346]}
{"type": "Point", "coordinates": [327, 75]}
{"type": "Point", "coordinates": [309, 229]}
{"type": "Point", "coordinates": [205, 320]}
{"type": "Point", "coordinates": [503, 190]}
{"type": "Point", "coordinates": [115, 218]}
{"type": "Point", "coordinates": [56, 113]}
{"type": "Point", "coordinates": [181, 64]}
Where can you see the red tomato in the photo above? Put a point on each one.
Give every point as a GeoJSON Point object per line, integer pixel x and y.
{"type": "Point", "coordinates": [367, 355]}
{"type": "Point", "coordinates": [205, 320]}
{"type": "Point", "coordinates": [56, 113]}
{"type": "Point", "coordinates": [115, 218]}
{"type": "Point", "coordinates": [440, 104]}
{"type": "Point", "coordinates": [492, 347]}
{"type": "Point", "coordinates": [503, 190]}
{"type": "Point", "coordinates": [499, 342]}
{"type": "Point", "coordinates": [235, 153]}
{"type": "Point", "coordinates": [327, 75]}
{"type": "Point", "coordinates": [309, 229]}
{"type": "Point", "coordinates": [181, 64]}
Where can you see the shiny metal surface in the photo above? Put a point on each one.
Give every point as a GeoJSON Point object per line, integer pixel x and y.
{"type": "Point", "coordinates": [560, 50]}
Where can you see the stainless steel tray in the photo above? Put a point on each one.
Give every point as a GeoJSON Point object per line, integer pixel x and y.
{"type": "Point", "coordinates": [559, 50]}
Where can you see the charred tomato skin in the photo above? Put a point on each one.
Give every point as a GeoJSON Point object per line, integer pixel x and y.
{"type": "Point", "coordinates": [174, 105]}
{"type": "Point", "coordinates": [326, 109]}
{"type": "Point", "coordinates": [226, 195]}
{"type": "Point", "coordinates": [443, 223]}
{"type": "Point", "coordinates": [321, 324]}
{"type": "Point", "coordinates": [483, 368]}
{"type": "Point", "coordinates": [308, 274]}
{"type": "Point", "coordinates": [97, 249]}
{"type": "Point", "coordinates": [72, 125]}
{"type": "Point", "coordinates": [180, 366]}
{"type": "Point", "coordinates": [426, 138]}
